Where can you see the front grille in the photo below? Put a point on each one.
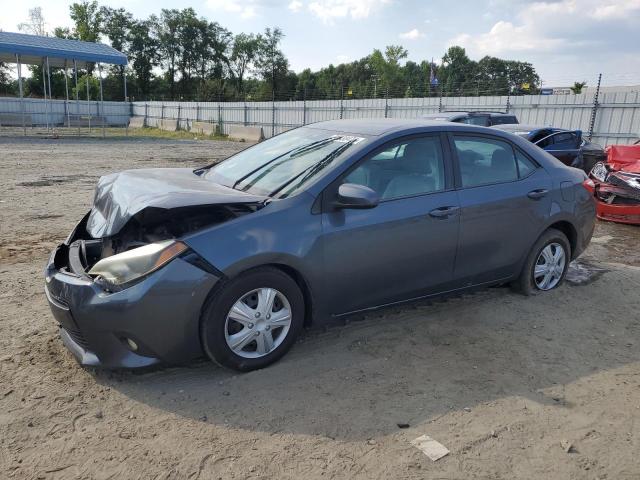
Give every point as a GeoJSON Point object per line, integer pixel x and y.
{"type": "Point", "coordinates": [77, 337]}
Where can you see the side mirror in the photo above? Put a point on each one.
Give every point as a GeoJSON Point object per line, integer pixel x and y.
{"type": "Point", "coordinates": [351, 195]}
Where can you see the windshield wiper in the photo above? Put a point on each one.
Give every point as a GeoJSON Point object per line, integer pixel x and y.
{"type": "Point", "coordinates": [313, 169]}
{"type": "Point", "coordinates": [300, 149]}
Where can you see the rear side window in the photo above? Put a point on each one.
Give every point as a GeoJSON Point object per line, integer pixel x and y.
{"type": "Point", "coordinates": [504, 120]}
{"type": "Point", "coordinates": [525, 166]}
{"type": "Point", "coordinates": [476, 120]}
{"type": "Point", "coordinates": [484, 161]}
{"type": "Point", "coordinates": [564, 138]}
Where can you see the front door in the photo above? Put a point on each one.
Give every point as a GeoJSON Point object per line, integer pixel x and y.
{"type": "Point", "coordinates": [404, 247]}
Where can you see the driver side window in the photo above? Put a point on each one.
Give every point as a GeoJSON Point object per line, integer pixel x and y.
{"type": "Point", "coordinates": [405, 168]}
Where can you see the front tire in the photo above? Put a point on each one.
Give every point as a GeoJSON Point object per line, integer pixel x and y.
{"type": "Point", "coordinates": [253, 320]}
{"type": "Point", "coordinates": [546, 264]}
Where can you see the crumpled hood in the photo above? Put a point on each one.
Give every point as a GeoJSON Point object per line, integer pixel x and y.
{"type": "Point", "coordinates": [120, 196]}
{"type": "Point", "coordinates": [624, 157]}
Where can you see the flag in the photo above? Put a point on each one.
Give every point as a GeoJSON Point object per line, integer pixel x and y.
{"type": "Point", "coordinates": [433, 79]}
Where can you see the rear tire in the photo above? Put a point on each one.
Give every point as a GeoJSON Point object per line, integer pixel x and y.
{"type": "Point", "coordinates": [253, 320]}
{"type": "Point", "coordinates": [546, 265]}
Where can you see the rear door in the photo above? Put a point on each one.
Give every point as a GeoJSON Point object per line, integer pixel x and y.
{"type": "Point", "coordinates": [404, 247]}
{"type": "Point", "coordinates": [504, 199]}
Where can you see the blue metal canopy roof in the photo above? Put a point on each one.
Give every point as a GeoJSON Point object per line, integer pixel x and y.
{"type": "Point", "coordinates": [60, 51]}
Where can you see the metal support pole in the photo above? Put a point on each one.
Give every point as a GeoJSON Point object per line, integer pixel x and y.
{"type": "Point", "coordinates": [273, 113]}
{"type": "Point", "coordinates": [146, 115]}
{"type": "Point", "coordinates": [245, 113]}
{"type": "Point", "coordinates": [304, 107]}
{"type": "Point", "coordinates": [46, 105]}
{"type": "Point", "coordinates": [88, 98]}
{"type": "Point", "coordinates": [126, 99]}
{"type": "Point", "coordinates": [178, 119]}
{"type": "Point", "coordinates": [24, 125]}
{"type": "Point", "coordinates": [386, 103]}
{"type": "Point", "coordinates": [197, 112]}
{"type": "Point", "coordinates": [508, 100]}
{"type": "Point", "coordinates": [440, 101]}
{"type": "Point", "coordinates": [342, 105]}
{"type": "Point", "coordinates": [66, 92]}
{"type": "Point", "coordinates": [220, 123]}
{"type": "Point", "coordinates": [594, 109]}
{"type": "Point", "coordinates": [75, 76]}
{"type": "Point", "coordinates": [104, 118]}
{"type": "Point", "coordinates": [49, 84]}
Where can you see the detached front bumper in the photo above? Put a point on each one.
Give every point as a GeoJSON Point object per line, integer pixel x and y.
{"type": "Point", "coordinates": [160, 314]}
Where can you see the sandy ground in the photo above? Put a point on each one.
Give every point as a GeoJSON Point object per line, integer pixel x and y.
{"type": "Point", "coordinates": [499, 379]}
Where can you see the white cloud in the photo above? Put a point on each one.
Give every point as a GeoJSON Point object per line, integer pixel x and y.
{"type": "Point", "coordinates": [343, 58]}
{"type": "Point", "coordinates": [507, 37]}
{"type": "Point", "coordinates": [413, 34]}
{"type": "Point", "coordinates": [556, 27]}
{"type": "Point", "coordinates": [244, 8]}
{"type": "Point", "coordinates": [615, 10]}
{"type": "Point", "coordinates": [330, 10]}
{"type": "Point", "coordinates": [295, 6]}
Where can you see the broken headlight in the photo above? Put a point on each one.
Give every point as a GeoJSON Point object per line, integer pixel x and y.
{"type": "Point", "coordinates": [137, 262]}
{"type": "Point", "coordinates": [600, 172]}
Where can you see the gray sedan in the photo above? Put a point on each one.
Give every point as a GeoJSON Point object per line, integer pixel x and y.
{"type": "Point", "coordinates": [232, 260]}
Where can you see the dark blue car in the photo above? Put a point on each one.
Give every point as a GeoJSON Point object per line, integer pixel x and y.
{"type": "Point", "coordinates": [568, 146]}
{"type": "Point", "coordinates": [232, 260]}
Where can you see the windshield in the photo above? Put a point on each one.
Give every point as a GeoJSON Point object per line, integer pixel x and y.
{"type": "Point", "coordinates": [282, 165]}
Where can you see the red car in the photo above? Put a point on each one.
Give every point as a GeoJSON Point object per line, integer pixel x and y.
{"type": "Point", "coordinates": [616, 184]}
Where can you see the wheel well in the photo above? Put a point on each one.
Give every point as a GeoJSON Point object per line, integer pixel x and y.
{"type": "Point", "coordinates": [569, 230]}
{"type": "Point", "coordinates": [304, 288]}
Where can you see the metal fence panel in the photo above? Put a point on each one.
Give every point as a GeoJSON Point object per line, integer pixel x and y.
{"type": "Point", "coordinates": [617, 118]}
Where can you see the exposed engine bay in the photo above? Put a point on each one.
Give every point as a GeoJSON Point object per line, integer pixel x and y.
{"type": "Point", "coordinates": [149, 226]}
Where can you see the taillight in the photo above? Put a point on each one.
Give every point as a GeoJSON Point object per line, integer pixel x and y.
{"type": "Point", "coordinates": [589, 185]}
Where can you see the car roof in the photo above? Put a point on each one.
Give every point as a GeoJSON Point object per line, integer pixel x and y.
{"type": "Point", "coordinates": [377, 126]}
{"type": "Point", "coordinates": [450, 114]}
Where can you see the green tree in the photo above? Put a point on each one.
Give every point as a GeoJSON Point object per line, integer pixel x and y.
{"type": "Point", "coordinates": [387, 68]}
{"type": "Point", "coordinates": [578, 87]}
{"type": "Point", "coordinates": [243, 53]}
{"type": "Point", "coordinates": [116, 25]}
{"type": "Point", "coordinates": [87, 19]}
{"type": "Point", "coordinates": [81, 90]}
{"type": "Point", "coordinates": [166, 30]}
{"type": "Point", "coordinates": [143, 56]}
{"type": "Point", "coordinates": [271, 63]}
{"type": "Point", "coordinates": [6, 84]}
{"type": "Point", "coordinates": [458, 72]}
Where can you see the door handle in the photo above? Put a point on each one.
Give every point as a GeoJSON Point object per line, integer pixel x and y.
{"type": "Point", "coordinates": [443, 212]}
{"type": "Point", "coordinates": [536, 194]}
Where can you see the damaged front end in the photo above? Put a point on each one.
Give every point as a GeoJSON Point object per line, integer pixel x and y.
{"type": "Point", "coordinates": [124, 288]}
{"type": "Point", "coordinates": [147, 241]}
{"type": "Point", "coordinates": [146, 212]}
{"type": "Point", "coordinates": [617, 185]}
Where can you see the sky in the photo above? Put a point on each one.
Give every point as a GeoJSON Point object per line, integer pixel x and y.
{"type": "Point", "coordinates": [565, 40]}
